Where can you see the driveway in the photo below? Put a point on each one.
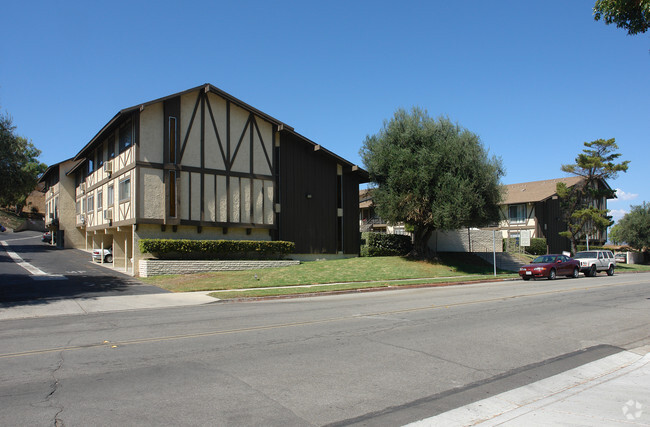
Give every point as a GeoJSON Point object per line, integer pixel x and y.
{"type": "Point", "coordinates": [34, 272]}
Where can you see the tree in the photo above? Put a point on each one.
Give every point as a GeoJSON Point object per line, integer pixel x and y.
{"type": "Point", "coordinates": [431, 174]}
{"type": "Point", "coordinates": [19, 166]}
{"type": "Point", "coordinates": [614, 235]}
{"type": "Point", "coordinates": [634, 227]}
{"type": "Point", "coordinates": [580, 207]}
{"type": "Point", "coordinates": [632, 15]}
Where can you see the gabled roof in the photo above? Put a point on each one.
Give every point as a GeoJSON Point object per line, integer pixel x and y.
{"type": "Point", "coordinates": [123, 114]}
{"type": "Point", "coordinates": [50, 169]}
{"type": "Point", "coordinates": [536, 191]}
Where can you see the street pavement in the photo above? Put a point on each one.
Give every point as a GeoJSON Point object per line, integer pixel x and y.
{"type": "Point", "coordinates": [612, 390]}
{"type": "Point", "coordinates": [39, 280]}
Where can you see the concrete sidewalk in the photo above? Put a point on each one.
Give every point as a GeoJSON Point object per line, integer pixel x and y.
{"type": "Point", "coordinates": [613, 391]}
{"type": "Point", "coordinates": [72, 306]}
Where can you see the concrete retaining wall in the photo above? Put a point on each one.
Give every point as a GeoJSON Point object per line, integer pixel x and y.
{"type": "Point", "coordinates": [473, 240]}
{"type": "Point", "coordinates": [156, 267]}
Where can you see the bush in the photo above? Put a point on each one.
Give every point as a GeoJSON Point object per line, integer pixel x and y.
{"type": "Point", "coordinates": [581, 248]}
{"type": "Point", "coordinates": [381, 244]}
{"type": "Point", "coordinates": [537, 247]}
{"type": "Point", "coordinates": [216, 249]}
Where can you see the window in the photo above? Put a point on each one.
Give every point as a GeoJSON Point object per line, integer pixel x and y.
{"type": "Point", "coordinates": [517, 214]}
{"type": "Point", "coordinates": [100, 200]}
{"type": "Point", "coordinates": [83, 205]}
{"type": "Point", "coordinates": [109, 195]}
{"type": "Point", "coordinates": [172, 140]}
{"type": "Point", "coordinates": [172, 194]}
{"type": "Point", "coordinates": [100, 157]}
{"type": "Point", "coordinates": [110, 147]}
{"type": "Point", "coordinates": [126, 136]}
{"type": "Point", "coordinates": [91, 166]}
{"type": "Point", "coordinates": [91, 203]}
{"type": "Point", "coordinates": [78, 207]}
{"type": "Point", "coordinates": [125, 190]}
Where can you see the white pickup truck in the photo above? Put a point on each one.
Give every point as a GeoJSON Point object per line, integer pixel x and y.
{"type": "Point", "coordinates": [591, 262]}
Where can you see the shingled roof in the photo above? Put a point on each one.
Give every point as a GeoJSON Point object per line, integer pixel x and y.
{"type": "Point", "coordinates": [535, 191]}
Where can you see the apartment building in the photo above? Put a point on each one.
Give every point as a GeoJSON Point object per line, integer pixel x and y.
{"type": "Point", "coordinates": [202, 164]}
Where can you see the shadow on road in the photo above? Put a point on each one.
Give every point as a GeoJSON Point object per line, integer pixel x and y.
{"type": "Point", "coordinates": [70, 274]}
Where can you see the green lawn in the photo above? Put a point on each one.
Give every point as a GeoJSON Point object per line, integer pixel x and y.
{"type": "Point", "coordinates": [379, 269]}
{"type": "Point", "coordinates": [621, 268]}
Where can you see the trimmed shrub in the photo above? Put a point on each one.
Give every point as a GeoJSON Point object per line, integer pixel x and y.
{"type": "Point", "coordinates": [581, 248]}
{"type": "Point", "coordinates": [381, 244]}
{"type": "Point", "coordinates": [537, 246]}
{"type": "Point", "coordinates": [216, 249]}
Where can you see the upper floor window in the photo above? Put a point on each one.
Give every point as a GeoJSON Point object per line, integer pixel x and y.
{"type": "Point", "coordinates": [110, 147]}
{"type": "Point", "coordinates": [90, 203]}
{"type": "Point", "coordinates": [90, 166]}
{"type": "Point", "coordinates": [109, 195]}
{"type": "Point", "coordinates": [126, 136]}
{"type": "Point", "coordinates": [100, 200]}
{"type": "Point", "coordinates": [100, 157]}
{"type": "Point", "coordinates": [517, 214]}
{"type": "Point", "coordinates": [125, 190]}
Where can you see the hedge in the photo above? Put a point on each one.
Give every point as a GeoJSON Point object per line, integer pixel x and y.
{"type": "Point", "coordinates": [537, 246]}
{"type": "Point", "coordinates": [216, 249]}
{"type": "Point", "coordinates": [381, 244]}
{"type": "Point", "coordinates": [581, 248]}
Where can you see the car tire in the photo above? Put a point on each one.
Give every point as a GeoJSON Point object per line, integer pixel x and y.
{"type": "Point", "coordinates": [552, 274]}
{"type": "Point", "coordinates": [610, 270]}
{"type": "Point", "coordinates": [108, 258]}
{"type": "Point", "coordinates": [576, 273]}
{"type": "Point", "coordinates": [526, 278]}
{"type": "Point", "coordinates": [593, 271]}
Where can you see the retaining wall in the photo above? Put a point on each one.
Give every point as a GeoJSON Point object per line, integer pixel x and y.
{"type": "Point", "coordinates": [156, 267]}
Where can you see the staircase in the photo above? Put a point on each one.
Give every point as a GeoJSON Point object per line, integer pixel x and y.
{"type": "Point", "coordinates": [505, 261]}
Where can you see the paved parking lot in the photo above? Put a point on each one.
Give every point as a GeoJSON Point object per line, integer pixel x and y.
{"type": "Point", "coordinates": [31, 271]}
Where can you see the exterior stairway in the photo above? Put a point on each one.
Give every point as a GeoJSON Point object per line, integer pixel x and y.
{"type": "Point", "coordinates": [505, 261]}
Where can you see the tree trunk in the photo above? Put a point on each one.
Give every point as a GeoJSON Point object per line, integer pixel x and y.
{"type": "Point", "coordinates": [421, 236]}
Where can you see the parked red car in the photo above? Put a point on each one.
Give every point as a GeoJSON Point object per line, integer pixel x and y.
{"type": "Point", "coordinates": [550, 266]}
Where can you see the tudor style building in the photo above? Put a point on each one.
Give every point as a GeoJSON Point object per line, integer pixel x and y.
{"type": "Point", "coordinates": [202, 164]}
{"type": "Point", "coordinates": [59, 191]}
{"type": "Point", "coordinates": [534, 208]}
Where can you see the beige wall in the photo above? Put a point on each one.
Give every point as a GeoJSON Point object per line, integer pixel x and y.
{"type": "Point", "coordinates": [151, 134]}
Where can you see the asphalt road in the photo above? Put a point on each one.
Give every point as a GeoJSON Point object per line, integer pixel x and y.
{"type": "Point", "coordinates": [383, 358]}
{"type": "Point", "coordinates": [68, 273]}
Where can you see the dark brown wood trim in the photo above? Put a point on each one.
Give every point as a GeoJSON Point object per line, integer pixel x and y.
{"type": "Point", "coordinates": [202, 214]}
{"type": "Point", "coordinates": [216, 132]}
{"type": "Point", "coordinates": [106, 180]}
{"type": "Point", "coordinates": [241, 139]}
{"type": "Point", "coordinates": [205, 171]}
{"type": "Point", "coordinates": [189, 129]}
{"type": "Point", "coordinates": [266, 154]}
{"type": "Point", "coordinates": [228, 163]}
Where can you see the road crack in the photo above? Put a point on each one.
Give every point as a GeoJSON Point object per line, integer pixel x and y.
{"type": "Point", "coordinates": [55, 385]}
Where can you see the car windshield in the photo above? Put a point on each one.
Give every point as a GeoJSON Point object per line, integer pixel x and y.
{"type": "Point", "coordinates": [544, 259]}
{"type": "Point", "coordinates": [586, 255]}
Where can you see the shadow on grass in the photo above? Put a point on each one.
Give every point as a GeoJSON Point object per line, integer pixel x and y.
{"type": "Point", "coordinates": [461, 262]}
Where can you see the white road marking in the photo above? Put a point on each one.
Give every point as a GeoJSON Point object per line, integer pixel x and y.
{"type": "Point", "coordinates": [34, 271]}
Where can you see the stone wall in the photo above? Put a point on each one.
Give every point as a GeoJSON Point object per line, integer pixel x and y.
{"type": "Point", "coordinates": [156, 267]}
{"type": "Point", "coordinates": [473, 240]}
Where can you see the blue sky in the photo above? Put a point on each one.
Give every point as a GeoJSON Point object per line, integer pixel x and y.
{"type": "Point", "coordinates": [533, 82]}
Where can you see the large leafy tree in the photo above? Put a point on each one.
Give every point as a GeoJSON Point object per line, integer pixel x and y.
{"type": "Point", "coordinates": [631, 15]}
{"type": "Point", "coordinates": [431, 174]}
{"type": "Point", "coordinates": [19, 165]}
{"type": "Point", "coordinates": [580, 209]}
{"type": "Point", "coordinates": [634, 227]}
